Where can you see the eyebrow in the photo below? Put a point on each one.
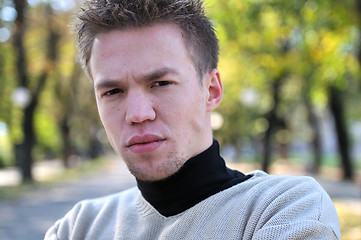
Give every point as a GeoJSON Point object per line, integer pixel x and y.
{"type": "Point", "coordinates": [159, 73]}
{"type": "Point", "coordinates": [108, 83]}
{"type": "Point", "coordinates": [154, 75]}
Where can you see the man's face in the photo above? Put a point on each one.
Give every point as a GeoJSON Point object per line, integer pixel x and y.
{"type": "Point", "coordinates": [150, 100]}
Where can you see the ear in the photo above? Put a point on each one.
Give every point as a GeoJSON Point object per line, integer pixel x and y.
{"type": "Point", "coordinates": [214, 89]}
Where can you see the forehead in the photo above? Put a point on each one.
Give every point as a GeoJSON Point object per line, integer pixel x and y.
{"type": "Point", "coordinates": [156, 32]}
{"type": "Point", "coordinates": [139, 49]}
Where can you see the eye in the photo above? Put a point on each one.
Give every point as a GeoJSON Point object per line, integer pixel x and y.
{"type": "Point", "coordinates": [161, 83]}
{"type": "Point", "coordinates": [112, 92]}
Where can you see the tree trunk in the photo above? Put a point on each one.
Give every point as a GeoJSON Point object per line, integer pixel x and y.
{"type": "Point", "coordinates": [358, 7]}
{"type": "Point", "coordinates": [26, 159]}
{"type": "Point", "coordinates": [267, 149]}
{"type": "Point", "coordinates": [316, 138]}
{"type": "Point", "coordinates": [337, 107]}
{"type": "Point", "coordinates": [272, 124]}
{"type": "Point", "coordinates": [68, 103]}
{"type": "Point", "coordinates": [23, 158]}
{"type": "Point", "coordinates": [24, 150]}
{"type": "Point", "coordinates": [21, 67]}
{"type": "Point", "coordinates": [67, 146]}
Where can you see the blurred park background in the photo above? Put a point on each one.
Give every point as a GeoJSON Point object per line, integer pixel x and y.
{"type": "Point", "coordinates": [292, 90]}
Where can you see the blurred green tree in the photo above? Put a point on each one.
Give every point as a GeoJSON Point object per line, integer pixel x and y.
{"type": "Point", "coordinates": [295, 55]}
{"type": "Point", "coordinates": [56, 115]}
{"type": "Point", "coordinates": [34, 84]}
{"type": "Point", "coordinates": [283, 62]}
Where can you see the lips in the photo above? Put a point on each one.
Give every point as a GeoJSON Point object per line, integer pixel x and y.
{"type": "Point", "coordinates": [145, 143]}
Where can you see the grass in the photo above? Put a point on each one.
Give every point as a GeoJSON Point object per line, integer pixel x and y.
{"type": "Point", "coordinates": [72, 173]}
{"type": "Point", "coordinates": [11, 192]}
{"type": "Point", "coordinates": [349, 214]}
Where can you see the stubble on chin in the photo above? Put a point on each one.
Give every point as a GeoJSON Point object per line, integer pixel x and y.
{"type": "Point", "coordinates": [155, 171]}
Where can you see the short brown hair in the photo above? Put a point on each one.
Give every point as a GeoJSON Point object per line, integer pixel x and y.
{"type": "Point", "coordinates": [188, 15]}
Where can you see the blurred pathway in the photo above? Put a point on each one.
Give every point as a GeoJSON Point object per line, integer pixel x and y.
{"type": "Point", "coordinates": [30, 215]}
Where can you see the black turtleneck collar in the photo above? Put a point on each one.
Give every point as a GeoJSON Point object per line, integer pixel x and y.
{"type": "Point", "coordinates": [199, 178]}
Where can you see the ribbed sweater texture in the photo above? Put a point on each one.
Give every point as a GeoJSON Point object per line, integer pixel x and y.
{"type": "Point", "coordinates": [257, 206]}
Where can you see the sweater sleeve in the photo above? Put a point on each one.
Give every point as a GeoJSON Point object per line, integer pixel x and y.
{"type": "Point", "coordinates": [305, 230]}
{"type": "Point", "coordinates": [300, 210]}
{"type": "Point", "coordinates": [92, 218]}
{"type": "Point", "coordinates": [51, 234]}
{"type": "Point", "coordinates": [62, 229]}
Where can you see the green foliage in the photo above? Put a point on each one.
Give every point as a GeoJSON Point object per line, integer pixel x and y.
{"type": "Point", "coordinates": [47, 131]}
{"type": "Point", "coordinates": [67, 99]}
{"type": "Point", "coordinates": [307, 45]}
{"type": "Point", "coordinates": [5, 153]}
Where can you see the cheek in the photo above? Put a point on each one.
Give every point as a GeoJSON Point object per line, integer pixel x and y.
{"type": "Point", "coordinates": [190, 116]}
{"type": "Point", "coordinates": [113, 129]}
{"type": "Point", "coordinates": [110, 118]}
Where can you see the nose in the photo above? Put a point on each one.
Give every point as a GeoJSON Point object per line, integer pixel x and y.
{"type": "Point", "coordinates": [139, 108]}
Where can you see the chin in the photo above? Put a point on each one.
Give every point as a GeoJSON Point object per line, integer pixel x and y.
{"type": "Point", "coordinates": [155, 171]}
{"type": "Point", "coordinates": [147, 176]}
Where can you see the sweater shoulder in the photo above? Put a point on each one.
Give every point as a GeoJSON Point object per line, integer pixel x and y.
{"type": "Point", "coordinates": [87, 213]}
{"type": "Point", "coordinates": [104, 206]}
{"type": "Point", "coordinates": [286, 189]}
{"type": "Point", "coordinates": [116, 198]}
{"type": "Point", "coordinates": [280, 200]}
{"type": "Point", "coordinates": [285, 182]}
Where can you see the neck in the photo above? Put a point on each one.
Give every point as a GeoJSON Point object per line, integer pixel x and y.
{"type": "Point", "coordinates": [199, 178]}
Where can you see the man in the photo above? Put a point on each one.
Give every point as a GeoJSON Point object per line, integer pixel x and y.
{"type": "Point", "coordinates": [153, 64]}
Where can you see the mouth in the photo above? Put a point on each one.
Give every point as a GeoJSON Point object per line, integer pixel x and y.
{"type": "Point", "coordinates": [145, 139]}
{"type": "Point", "coordinates": [145, 143]}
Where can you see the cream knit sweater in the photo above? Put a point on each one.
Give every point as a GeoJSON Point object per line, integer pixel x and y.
{"type": "Point", "coordinates": [264, 207]}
